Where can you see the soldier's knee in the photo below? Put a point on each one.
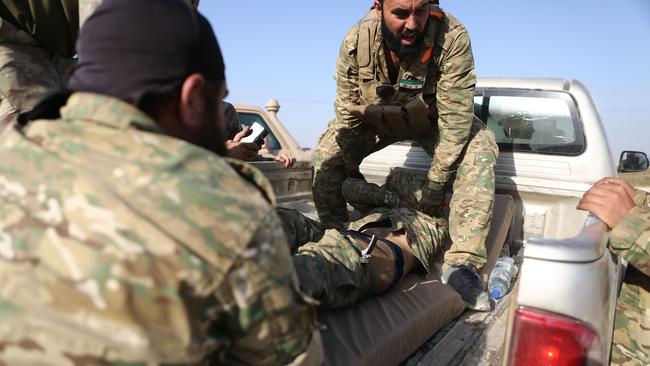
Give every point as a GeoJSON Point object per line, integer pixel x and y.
{"type": "Point", "coordinates": [484, 141]}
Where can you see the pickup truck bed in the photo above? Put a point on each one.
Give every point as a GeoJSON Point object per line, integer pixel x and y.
{"type": "Point", "coordinates": [386, 330]}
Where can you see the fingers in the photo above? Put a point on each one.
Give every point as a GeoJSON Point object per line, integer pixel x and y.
{"type": "Point", "coordinates": [623, 184]}
{"type": "Point", "coordinates": [242, 150]}
{"type": "Point", "coordinates": [596, 208]}
{"type": "Point", "coordinates": [618, 182]}
{"type": "Point", "coordinates": [249, 149]}
{"type": "Point", "coordinates": [619, 189]}
{"type": "Point", "coordinates": [250, 146]}
{"type": "Point", "coordinates": [241, 134]}
{"type": "Point", "coordinates": [286, 160]}
{"type": "Point", "coordinates": [610, 199]}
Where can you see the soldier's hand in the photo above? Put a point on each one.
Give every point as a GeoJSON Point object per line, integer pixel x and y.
{"type": "Point", "coordinates": [245, 151]}
{"type": "Point", "coordinates": [357, 111]}
{"type": "Point", "coordinates": [352, 170]}
{"type": "Point", "coordinates": [286, 160]}
{"type": "Point", "coordinates": [433, 198]}
{"type": "Point", "coordinates": [610, 199]}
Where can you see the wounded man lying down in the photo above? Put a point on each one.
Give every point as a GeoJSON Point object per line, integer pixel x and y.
{"type": "Point", "coordinates": [330, 263]}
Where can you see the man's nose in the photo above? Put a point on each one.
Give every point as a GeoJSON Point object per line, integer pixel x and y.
{"type": "Point", "coordinates": [411, 23]}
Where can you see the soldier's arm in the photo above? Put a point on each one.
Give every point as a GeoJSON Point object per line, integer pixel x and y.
{"type": "Point", "coordinates": [361, 192]}
{"type": "Point", "coordinates": [455, 96]}
{"type": "Point", "coordinates": [268, 321]}
{"type": "Point", "coordinates": [630, 238]}
{"type": "Point", "coordinates": [627, 213]}
{"type": "Point", "coordinates": [347, 96]}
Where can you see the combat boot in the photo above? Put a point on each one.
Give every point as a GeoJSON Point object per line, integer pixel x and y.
{"type": "Point", "coordinates": [468, 283]}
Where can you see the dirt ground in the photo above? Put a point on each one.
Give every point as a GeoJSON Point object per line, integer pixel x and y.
{"type": "Point", "coordinates": [640, 179]}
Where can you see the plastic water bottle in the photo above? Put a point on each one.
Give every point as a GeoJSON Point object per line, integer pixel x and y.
{"type": "Point", "coordinates": [501, 277]}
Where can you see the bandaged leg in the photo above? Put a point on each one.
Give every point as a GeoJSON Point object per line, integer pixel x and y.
{"type": "Point", "coordinates": [331, 271]}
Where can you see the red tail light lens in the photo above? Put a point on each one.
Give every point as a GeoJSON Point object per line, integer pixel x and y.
{"type": "Point", "coordinates": [541, 338]}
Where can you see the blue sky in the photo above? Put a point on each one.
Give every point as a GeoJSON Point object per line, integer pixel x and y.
{"type": "Point", "coordinates": [287, 50]}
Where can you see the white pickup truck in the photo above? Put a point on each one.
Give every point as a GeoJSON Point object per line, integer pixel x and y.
{"type": "Point", "coordinates": [552, 149]}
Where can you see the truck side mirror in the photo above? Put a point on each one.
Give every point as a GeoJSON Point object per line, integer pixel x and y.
{"type": "Point", "coordinates": [632, 161]}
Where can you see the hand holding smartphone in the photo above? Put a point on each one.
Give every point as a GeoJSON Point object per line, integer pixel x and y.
{"type": "Point", "coordinates": [257, 135]}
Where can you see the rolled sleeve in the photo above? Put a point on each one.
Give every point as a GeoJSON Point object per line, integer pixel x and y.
{"type": "Point", "coordinates": [630, 238]}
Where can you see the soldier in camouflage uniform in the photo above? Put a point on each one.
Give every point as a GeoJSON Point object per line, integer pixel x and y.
{"type": "Point", "coordinates": [246, 151]}
{"type": "Point", "coordinates": [124, 239]}
{"type": "Point", "coordinates": [406, 72]}
{"type": "Point", "coordinates": [37, 45]}
{"type": "Point", "coordinates": [627, 213]}
{"type": "Point", "coordinates": [328, 261]}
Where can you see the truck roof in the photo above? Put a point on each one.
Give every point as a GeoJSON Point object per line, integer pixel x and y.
{"type": "Point", "coordinates": [555, 84]}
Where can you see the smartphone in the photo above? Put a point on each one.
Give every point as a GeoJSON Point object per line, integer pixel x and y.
{"type": "Point", "coordinates": [257, 135]}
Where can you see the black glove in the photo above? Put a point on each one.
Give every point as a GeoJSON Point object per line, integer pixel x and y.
{"type": "Point", "coordinates": [354, 172]}
{"type": "Point", "coordinates": [433, 198]}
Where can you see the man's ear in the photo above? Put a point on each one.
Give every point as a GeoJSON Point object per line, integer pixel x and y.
{"type": "Point", "coordinates": [377, 7]}
{"type": "Point", "coordinates": [192, 104]}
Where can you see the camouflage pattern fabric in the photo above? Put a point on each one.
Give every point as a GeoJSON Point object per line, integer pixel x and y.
{"type": "Point", "coordinates": [630, 239]}
{"type": "Point", "coordinates": [121, 246]}
{"type": "Point", "coordinates": [328, 261]}
{"type": "Point", "coordinates": [473, 186]}
{"type": "Point", "coordinates": [299, 228]}
{"type": "Point", "coordinates": [233, 126]}
{"type": "Point", "coordinates": [28, 71]}
{"type": "Point", "coordinates": [441, 80]}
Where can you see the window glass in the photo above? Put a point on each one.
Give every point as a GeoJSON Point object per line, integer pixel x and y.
{"type": "Point", "coordinates": [531, 123]}
{"type": "Point", "coordinates": [247, 119]}
{"type": "Point", "coordinates": [478, 105]}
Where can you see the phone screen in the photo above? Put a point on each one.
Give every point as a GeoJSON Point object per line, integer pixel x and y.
{"type": "Point", "coordinates": [258, 133]}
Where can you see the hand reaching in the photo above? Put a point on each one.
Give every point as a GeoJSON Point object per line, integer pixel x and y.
{"type": "Point", "coordinates": [610, 199]}
{"type": "Point", "coordinates": [286, 160]}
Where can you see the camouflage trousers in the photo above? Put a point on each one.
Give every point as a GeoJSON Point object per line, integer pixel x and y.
{"type": "Point", "coordinates": [631, 339]}
{"type": "Point", "coordinates": [472, 187]}
{"type": "Point", "coordinates": [28, 72]}
{"type": "Point", "coordinates": [328, 262]}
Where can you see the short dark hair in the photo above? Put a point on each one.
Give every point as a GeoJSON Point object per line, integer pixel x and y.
{"type": "Point", "coordinates": [153, 103]}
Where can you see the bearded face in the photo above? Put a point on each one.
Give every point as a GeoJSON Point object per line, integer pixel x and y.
{"type": "Point", "coordinates": [402, 24]}
{"type": "Point", "coordinates": [404, 52]}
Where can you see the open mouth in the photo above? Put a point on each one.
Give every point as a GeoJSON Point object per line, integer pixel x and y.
{"type": "Point", "coordinates": [408, 39]}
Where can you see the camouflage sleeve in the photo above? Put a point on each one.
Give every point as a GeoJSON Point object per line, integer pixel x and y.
{"type": "Point", "coordinates": [268, 321]}
{"type": "Point", "coordinates": [361, 192]}
{"type": "Point", "coordinates": [630, 238]}
{"type": "Point", "coordinates": [455, 96]}
{"type": "Point", "coordinates": [347, 95]}
{"type": "Point", "coordinates": [233, 126]}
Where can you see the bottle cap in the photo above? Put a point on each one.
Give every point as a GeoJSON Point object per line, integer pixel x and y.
{"type": "Point", "coordinates": [496, 294]}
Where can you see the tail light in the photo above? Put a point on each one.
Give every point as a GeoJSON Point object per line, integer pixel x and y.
{"type": "Point", "coordinates": [541, 338]}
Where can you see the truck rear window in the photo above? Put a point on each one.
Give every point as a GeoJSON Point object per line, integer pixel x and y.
{"type": "Point", "coordinates": [535, 121]}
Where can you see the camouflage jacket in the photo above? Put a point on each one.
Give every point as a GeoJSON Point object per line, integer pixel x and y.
{"type": "Point", "coordinates": [442, 79]}
{"type": "Point", "coordinates": [630, 239]}
{"type": "Point", "coordinates": [122, 245]}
